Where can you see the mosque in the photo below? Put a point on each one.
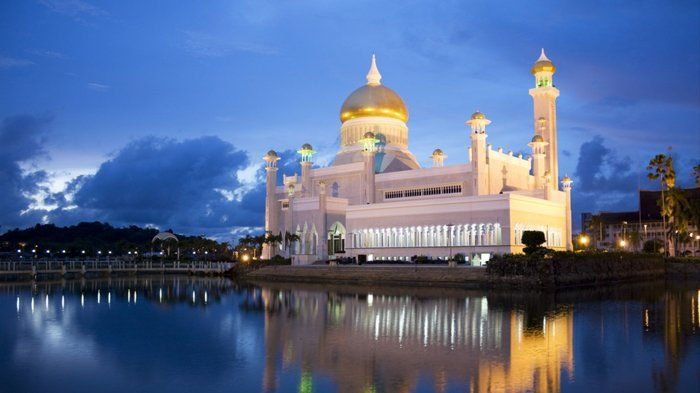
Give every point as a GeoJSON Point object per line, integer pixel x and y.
{"type": "Point", "coordinates": [375, 202]}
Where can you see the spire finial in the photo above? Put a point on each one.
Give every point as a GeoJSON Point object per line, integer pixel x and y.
{"type": "Point", "coordinates": [373, 76]}
{"type": "Point", "coordinates": [543, 57]}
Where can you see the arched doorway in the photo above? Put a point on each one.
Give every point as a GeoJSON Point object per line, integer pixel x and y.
{"type": "Point", "coordinates": [336, 239]}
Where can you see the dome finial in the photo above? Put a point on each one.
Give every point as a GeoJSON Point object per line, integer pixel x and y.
{"type": "Point", "coordinates": [543, 57]}
{"type": "Point", "coordinates": [373, 76]}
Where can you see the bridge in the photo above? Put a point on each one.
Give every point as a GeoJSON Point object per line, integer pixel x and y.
{"type": "Point", "coordinates": [83, 267]}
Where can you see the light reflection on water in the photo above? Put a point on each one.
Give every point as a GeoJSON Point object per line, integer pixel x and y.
{"type": "Point", "coordinates": [210, 334]}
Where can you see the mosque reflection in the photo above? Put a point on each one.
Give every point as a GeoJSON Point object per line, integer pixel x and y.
{"type": "Point", "coordinates": [388, 342]}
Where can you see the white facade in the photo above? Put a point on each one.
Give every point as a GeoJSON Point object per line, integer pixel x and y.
{"type": "Point", "coordinates": [376, 202]}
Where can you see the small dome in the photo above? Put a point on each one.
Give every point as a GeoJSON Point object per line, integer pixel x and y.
{"type": "Point", "coordinates": [537, 138]}
{"type": "Point", "coordinates": [306, 146]}
{"type": "Point", "coordinates": [437, 152]}
{"type": "Point", "coordinates": [478, 115]}
{"type": "Point", "coordinates": [271, 153]}
{"type": "Point", "coordinates": [368, 135]}
{"type": "Point", "coordinates": [543, 64]}
{"type": "Point", "coordinates": [566, 179]}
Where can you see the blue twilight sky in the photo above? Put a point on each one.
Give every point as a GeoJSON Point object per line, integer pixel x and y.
{"type": "Point", "coordinates": [158, 112]}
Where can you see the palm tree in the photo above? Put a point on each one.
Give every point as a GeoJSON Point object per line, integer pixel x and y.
{"type": "Point", "coordinates": [661, 167]}
{"type": "Point", "coordinates": [289, 239]}
{"type": "Point", "coordinates": [595, 227]}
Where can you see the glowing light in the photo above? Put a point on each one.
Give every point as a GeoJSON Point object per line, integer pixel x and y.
{"type": "Point", "coordinates": [194, 299]}
{"type": "Point", "coordinates": [370, 300]}
{"type": "Point", "coordinates": [109, 297]}
{"type": "Point", "coordinates": [46, 302]}
{"type": "Point", "coordinates": [245, 257]}
{"type": "Point", "coordinates": [63, 302]}
{"type": "Point", "coordinates": [623, 243]}
{"type": "Point", "coordinates": [82, 300]}
{"type": "Point", "coordinates": [98, 296]}
{"type": "Point", "coordinates": [584, 240]}
{"type": "Point", "coordinates": [32, 305]}
{"type": "Point", "coordinates": [128, 295]}
{"type": "Point", "coordinates": [206, 297]}
{"type": "Point", "coordinates": [160, 295]}
{"type": "Point", "coordinates": [136, 295]}
{"type": "Point", "coordinates": [18, 304]}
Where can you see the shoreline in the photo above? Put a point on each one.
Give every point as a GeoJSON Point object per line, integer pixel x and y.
{"type": "Point", "coordinates": [440, 277]}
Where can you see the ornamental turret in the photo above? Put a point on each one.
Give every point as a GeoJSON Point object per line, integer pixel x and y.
{"type": "Point", "coordinates": [306, 153]}
{"type": "Point", "coordinates": [438, 158]}
{"type": "Point", "coordinates": [566, 183]}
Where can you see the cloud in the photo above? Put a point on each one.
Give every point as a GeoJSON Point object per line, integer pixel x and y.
{"type": "Point", "coordinates": [47, 53]}
{"type": "Point", "coordinates": [11, 62]}
{"type": "Point", "coordinates": [21, 144]}
{"type": "Point", "coordinates": [206, 45]}
{"type": "Point", "coordinates": [73, 8]}
{"type": "Point", "coordinates": [98, 86]}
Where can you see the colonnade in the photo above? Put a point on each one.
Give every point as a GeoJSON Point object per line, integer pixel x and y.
{"type": "Point", "coordinates": [480, 234]}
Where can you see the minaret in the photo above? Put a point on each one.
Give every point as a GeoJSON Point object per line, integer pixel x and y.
{"type": "Point", "coordinates": [271, 204]}
{"type": "Point", "coordinates": [438, 158]}
{"type": "Point", "coordinates": [478, 123]}
{"type": "Point", "coordinates": [539, 150]}
{"type": "Point", "coordinates": [544, 96]}
{"type": "Point", "coordinates": [306, 153]}
{"type": "Point", "coordinates": [566, 183]}
{"type": "Point", "coordinates": [369, 149]}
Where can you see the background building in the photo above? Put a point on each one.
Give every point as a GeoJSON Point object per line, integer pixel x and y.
{"type": "Point", "coordinates": [631, 230]}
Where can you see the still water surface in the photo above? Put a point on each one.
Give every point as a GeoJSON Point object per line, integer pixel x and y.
{"type": "Point", "coordinates": [186, 334]}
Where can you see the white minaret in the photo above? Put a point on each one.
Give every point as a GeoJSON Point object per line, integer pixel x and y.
{"type": "Point", "coordinates": [478, 123]}
{"type": "Point", "coordinates": [369, 149]}
{"type": "Point", "coordinates": [566, 186]}
{"type": "Point", "coordinates": [544, 96]}
{"type": "Point", "coordinates": [271, 204]}
{"type": "Point", "coordinates": [306, 153]}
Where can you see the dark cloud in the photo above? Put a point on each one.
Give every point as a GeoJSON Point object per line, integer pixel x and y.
{"type": "Point", "coordinates": [21, 144]}
{"type": "Point", "coordinates": [604, 181]}
{"type": "Point", "coordinates": [191, 186]}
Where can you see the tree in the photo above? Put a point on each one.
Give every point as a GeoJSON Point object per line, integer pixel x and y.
{"type": "Point", "coordinates": [696, 173]}
{"type": "Point", "coordinates": [661, 168]}
{"type": "Point", "coordinates": [595, 227]}
{"type": "Point", "coordinates": [533, 241]}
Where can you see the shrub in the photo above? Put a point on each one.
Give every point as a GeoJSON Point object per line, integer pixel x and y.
{"type": "Point", "coordinates": [459, 257]}
{"type": "Point", "coordinates": [532, 241]}
{"type": "Point", "coordinates": [653, 246]}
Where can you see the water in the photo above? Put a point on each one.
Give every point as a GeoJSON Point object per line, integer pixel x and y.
{"type": "Point", "coordinates": [182, 334]}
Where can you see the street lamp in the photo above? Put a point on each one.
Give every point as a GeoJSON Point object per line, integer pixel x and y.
{"type": "Point", "coordinates": [583, 240]}
{"type": "Point", "coordinates": [623, 243]}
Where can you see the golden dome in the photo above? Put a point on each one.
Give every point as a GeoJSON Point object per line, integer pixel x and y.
{"type": "Point", "coordinates": [543, 64]}
{"type": "Point", "coordinates": [478, 115]}
{"type": "Point", "coordinates": [438, 152]}
{"type": "Point", "coordinates": [537, 138]}
{"type": "Point", "coordinates": [374, 99]}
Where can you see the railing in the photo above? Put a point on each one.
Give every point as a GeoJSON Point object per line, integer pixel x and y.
{"type": "Point", "coordinates": [114, 264]}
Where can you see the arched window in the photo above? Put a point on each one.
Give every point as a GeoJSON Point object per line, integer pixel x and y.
{"type": "Point", "coordinates": [335, 189]}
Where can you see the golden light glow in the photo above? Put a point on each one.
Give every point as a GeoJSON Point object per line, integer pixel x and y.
{"type": "Point", "coordinates": [583, 239]}
{"type": "Point", "coordinates": [623, 243]}
{"type": "Point", "coordinates": [245, 257]}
